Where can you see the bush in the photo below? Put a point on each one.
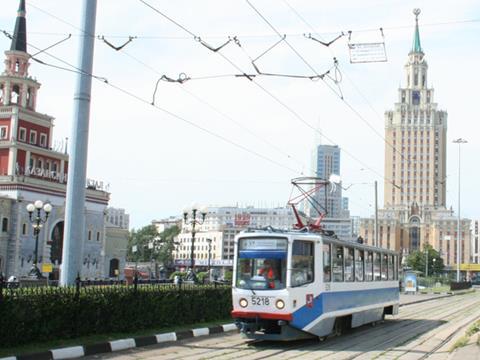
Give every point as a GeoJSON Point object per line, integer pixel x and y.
{"type": "Point", "coordinates": [179, 273]}
{"type": "Point", "coordinates": [41, 314]}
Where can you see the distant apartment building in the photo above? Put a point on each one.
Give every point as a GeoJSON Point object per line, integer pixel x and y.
{"type": "Point", "coordinates": [326, 162]}
{"type": "Point", "coordinates": [118, 217]}
{"type": "Point", "coordinates": [475, 242]}
{"type": "Point", "coordinates": [167, 223]}
{"type": "Point", "coordinates": [221, 225]}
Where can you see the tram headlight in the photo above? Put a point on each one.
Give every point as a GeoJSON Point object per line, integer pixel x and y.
{"type": "Point", "coordinates": [280, 304]}
{"type": "Point", "coordinates": [243, 302]}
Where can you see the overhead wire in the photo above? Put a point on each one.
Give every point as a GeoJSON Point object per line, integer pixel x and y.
{"type": "Point", "coordinates": [285, 106]}
{"type": "Point", "coordinates": [328, 85]}
{"type": "Point", "coordinates": [198, 98]}
{"type": "Point", "coordinates": [356, 89]}
{"type": "Point", "coordinates": [168, 112]}
{"type": "Point", "coordinates": [163, 37]}
{"type": "Point", "coordinates": [288, 108]}
{"type": "Point", "coordinates": [306, 123]}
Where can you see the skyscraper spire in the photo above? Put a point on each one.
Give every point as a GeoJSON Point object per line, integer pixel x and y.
{"type": "Point", "coordinates": [19, 40]}
{"type": "Point", "coordinates": [416, 47]}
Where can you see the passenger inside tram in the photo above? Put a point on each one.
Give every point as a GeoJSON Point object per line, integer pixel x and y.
{"type": "Point", "coordinates": [261, 273]}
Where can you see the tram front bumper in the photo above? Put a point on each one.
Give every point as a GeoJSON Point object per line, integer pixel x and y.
{"type": "Point", "coordinates": [262, 329]}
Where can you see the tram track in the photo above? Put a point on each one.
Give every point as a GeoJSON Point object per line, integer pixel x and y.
{"type": "Point", "coordinates": [418, 332]}
{"type": "Point", "coordinates": [283, 350]}
{"type": "Point", "coordinates": [356, 337]}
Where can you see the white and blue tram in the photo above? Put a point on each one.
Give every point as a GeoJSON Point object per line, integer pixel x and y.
{"type": "Point", "coordinates": [290, 285]}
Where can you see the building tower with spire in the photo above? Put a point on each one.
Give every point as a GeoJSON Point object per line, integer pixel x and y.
{"type": "Point", "coordinates": [415, 212]}
{"type": "Point", "coordinates": [30, 170]}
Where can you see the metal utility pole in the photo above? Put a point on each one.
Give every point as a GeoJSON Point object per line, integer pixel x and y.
{"type": "Point", "coordinates": [77, 166]}
{"type": "Point", "coordinates": [376, 214]}
{"type": "Point", "coordinates": [459, 141]}
{"type": "Point", "coordinates": [426, 262]}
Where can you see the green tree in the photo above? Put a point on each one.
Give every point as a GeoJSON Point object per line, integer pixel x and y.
{"type": "Point", "coordinates": [140, 238]}
{"type": "Point", "coordinates": [416, 260]}
{"type": "Point", "coordinates": [152, 245]}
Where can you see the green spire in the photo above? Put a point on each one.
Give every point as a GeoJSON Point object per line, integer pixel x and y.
{"type": "Point", "coordinates": [416, 47]}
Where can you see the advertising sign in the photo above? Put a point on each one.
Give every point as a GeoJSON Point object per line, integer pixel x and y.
{"type": "Point", "coordinates": [410, 282]}
{"type": "Point", "coordinates": [242, 219]}
{"type": "Point", "coordinates": [47, 268]}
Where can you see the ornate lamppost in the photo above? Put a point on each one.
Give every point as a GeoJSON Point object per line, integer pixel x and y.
{"type": "Point", "coordinates": [154, 246]}
{"type": "Point", "coordinates": [193, 221]}
{"type": "Point", "coordinates": [209, 253]}
{"type": "Point", "coordinates": [35, 217]}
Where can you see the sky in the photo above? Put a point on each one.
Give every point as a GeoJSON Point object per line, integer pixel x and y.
{"type": "Point", "coordinates": [220, 139]}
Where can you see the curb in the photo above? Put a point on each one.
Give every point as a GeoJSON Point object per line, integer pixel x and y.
{"type": "Point", "coordinates": [74, 352]}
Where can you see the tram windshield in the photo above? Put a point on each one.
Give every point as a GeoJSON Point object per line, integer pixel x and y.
{"type": "Point", "coordinates": [261, 263]}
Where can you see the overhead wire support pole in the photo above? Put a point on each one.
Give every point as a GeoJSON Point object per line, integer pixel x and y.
{"type": "Point", "coordinates": [459, 142]}
{"type": "Point", "coordinates": [77, 165]}
{"type": "Point", "coordinates": [376, 213]}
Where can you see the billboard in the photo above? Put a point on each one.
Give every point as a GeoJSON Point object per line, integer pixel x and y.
{"type": "Point", "coordinates": [242, 220]}
{"type": "Point", "coordinates": [410, 282]}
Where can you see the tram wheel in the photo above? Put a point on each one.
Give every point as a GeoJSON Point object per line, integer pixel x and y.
{"type": "Point", "coordinates": [339, 326]}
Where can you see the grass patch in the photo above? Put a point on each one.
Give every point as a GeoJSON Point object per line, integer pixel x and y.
{"type": "Point", "coordinates": [93, 339]}
{"type": "Point", "coordinates": [460, 343]}
{"type": "Point", "coordinates": [472, 330]}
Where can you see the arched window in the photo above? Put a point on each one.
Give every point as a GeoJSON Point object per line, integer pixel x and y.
{"type": "Point", "coordinates": [15, 96]}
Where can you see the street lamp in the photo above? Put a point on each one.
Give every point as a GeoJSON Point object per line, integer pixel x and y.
{"type": "Point", "coordinates": [154, 246]}
{"type": "Point", "coordinates": [194, 221]}
{"type": "Point", "coordinates": [459, 141]}
{"type": "Point", "coordinates": [37, 223]}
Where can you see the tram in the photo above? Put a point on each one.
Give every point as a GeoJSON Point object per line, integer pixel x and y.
{"type": "Point", "coordinates": [289, 285]}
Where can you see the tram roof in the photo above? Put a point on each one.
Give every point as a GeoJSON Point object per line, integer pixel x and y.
{"type": "Point", "coordinates": [331, 238]}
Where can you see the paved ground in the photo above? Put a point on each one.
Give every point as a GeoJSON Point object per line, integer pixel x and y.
{"type": "Point", "coordinates": [420, 331]}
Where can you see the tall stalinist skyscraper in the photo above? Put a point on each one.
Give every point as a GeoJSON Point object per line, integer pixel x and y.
{"type": "Point", "coordinates": [415, 212]}
{"type": "Point", "coordinates": [415, 132]}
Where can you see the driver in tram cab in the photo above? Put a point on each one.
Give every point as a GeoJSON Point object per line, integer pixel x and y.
{"type": "Point", "coordinates": [268, 273]}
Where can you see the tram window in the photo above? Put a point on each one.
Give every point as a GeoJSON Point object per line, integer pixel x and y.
{"type": "Point", "coordinates": [302, 263]}
{"type": "Point", "coordinates": [384, 267]}
{"type": "Point", "coordinates": [369, 267]}
{"type": "Point", "coordinates": [376, 267]}
{"type": "Point", "coordinates": [391, 275]}
{"type": "Point", "coordinates": [337, 263]}
{"type": "Point", "coordinates": [327, 266]}
{"type": "Point", "coordinates": [359, 268]}
{"type": "Point", "coordinates": [349, 273]}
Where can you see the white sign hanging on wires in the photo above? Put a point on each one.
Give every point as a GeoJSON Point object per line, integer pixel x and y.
{"type": "Point", "coordinates": [365, 52]}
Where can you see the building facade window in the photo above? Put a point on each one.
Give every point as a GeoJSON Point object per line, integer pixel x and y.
{"type": "Point", "coordinates": [3, 132]}
{"type": "Point", "coordinates": [33, 137]}
{"type": "Point", "coordinates": [22, 134]}
{"type": "Point", "coordinates": [43, 140]}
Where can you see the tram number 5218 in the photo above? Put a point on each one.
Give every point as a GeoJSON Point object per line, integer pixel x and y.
{"type": "Point", "coordinates": [260, 300]}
